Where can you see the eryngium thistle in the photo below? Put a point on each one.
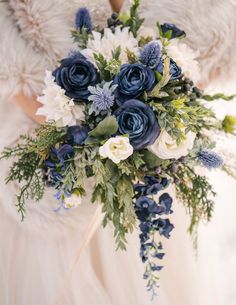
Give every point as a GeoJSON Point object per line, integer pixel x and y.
{"type": "Point", "coordinates": [210, 159]}
{"type": "Point", "coordinates": [102, 96]}
{"type": "Point", "coordinates": [151, 54]}
{"type": "Point", "coordinates": [83, 19]}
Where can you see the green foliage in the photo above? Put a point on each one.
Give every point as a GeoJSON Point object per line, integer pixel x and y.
{"type": "Point", "coordinates": [46, 136]}
{"type": "Point", "coordinates": [80, 37]}
{"type": "Point", "coordinates": [218, 96]}
{"type": "Point", "coordinates": [162, 79]}
{"type": "Point", "coordinates": [150, 159]}
{"type": "Point", "coordinates": [125, 193]}
{"type": "Point", "coordinates": [179, 116]}
{"type": "Point", "coordinates": [132, 58]}
{"type": "Point", "coordinates": [25, 171]}
{"type": "Point", "coordinates": [196, 193]}
{"type": "Point", "coordinates": [108, 68]}
{"type": "Point", "coordinates": [134, 21]}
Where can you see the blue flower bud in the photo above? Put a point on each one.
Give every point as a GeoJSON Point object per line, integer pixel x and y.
{"type": "Point", "coordinates": [210, 159]}
{"type": "Point", "coordinates": [83, 19]}
{"type": "Point", "coordinates": [151, 54]}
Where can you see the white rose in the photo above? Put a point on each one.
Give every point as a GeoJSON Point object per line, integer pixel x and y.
{"type": "Point", "coordinates": [116, 149]}
{"type": "Point", "coordinates": [166, 147]}
{"type": "Point", "coordinates": [72, 201]}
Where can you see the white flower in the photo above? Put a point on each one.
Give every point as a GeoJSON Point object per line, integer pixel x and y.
{"type": "Point", "coordinates": [116, 149]}
{"type": "Point", "coordinates": [147, 32]}
{"type": "Point", "coordinates": [56, 106]}
{"type": "Point", "coordinates": [107, 43]}
{"type": "Point", "coordinates": [72, 201]}
{"type": "Point", "coordinates": [166, 147]}
{"type": "Point", "coordinates": [185, 57]}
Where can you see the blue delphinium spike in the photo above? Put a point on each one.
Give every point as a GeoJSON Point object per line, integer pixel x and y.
{"type": "Point", "coordinates": [210, 159]}
{"type": "Point", "coordinates": [151, 54]}
{"type": "Point", "coordinates": [83, 19]}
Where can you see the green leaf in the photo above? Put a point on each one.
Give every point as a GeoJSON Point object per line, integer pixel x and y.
{"type": "Point", "coordinates": [151, 159]}
{"type": "Point", "coordinates": [218, 96]}
{"type": "Point", "coordinates": [138, 159]}
{"type": "Point", "coordinates": [164, 79]}
{"type": "Point", "coordinates": [105, 128]}
{"type": "Point", "coordinates": [125, 196]}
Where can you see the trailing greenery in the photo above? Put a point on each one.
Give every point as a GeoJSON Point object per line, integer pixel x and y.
{"type": "Point", "coordinates": [196, 193]}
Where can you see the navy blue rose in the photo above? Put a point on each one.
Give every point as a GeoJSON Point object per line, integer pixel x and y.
{"type": "Point", "coordinates": [74, 75]}
{"type": "Point", "coordinates": [138, 121]}
{"type": "Point", "coordinates": [77, 134]}
{"type": "Point", "coordinates": [174, 31]}
{"type": "Point", "coordinates": [175, 71]}
{"type": "Point", "coordinates": [133, 80]}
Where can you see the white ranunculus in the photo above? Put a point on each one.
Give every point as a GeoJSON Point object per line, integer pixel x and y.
{"type": "Point", "coordinates": [166, 147]}
{"type": "Point", "coordinates": [109, 42]}
{"type": "Point", "coordinates": [72, 201]}
{"type": "Point", "coordinates": [56, 106]}
{"type": "Point", "coordinates": [186, 58]}
{"type": "Point", "coordinates": [147, 32]}
{"type": "Point", "coordinates": [116, 149]}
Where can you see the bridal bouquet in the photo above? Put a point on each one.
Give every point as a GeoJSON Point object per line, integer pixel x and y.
{"type": "Point", "coordinates": [123, 108]}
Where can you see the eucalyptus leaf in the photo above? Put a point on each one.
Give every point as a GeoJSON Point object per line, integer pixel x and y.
{"type": "Point", "coordinates": [151, 159]}
{"type": "Point", "coordinates": [105, 128]}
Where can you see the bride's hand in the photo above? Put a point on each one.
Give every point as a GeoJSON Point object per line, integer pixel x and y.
{"type": "Point", "coordinates": [29, 105]}
{"type": "Point", "coordinates": [214, 74]}
{"type": "Point", "coordinates": [116, 5]}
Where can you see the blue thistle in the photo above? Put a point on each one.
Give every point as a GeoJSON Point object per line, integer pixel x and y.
{"type": "Point", "coordinates": [83, 19]}
{"type": "Point", "coordinates": [102, 96]}
{"type": "Point", "coordinates": [151, 54]}
{"type": "Point", "coordinates": [210, 159]}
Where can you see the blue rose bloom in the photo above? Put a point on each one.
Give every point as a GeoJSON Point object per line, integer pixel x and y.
{"type": "Point", "coordinates": [145, 207]}
{"type": "Point", "coordinates": [132, 81]}
{"type": "Point", "coordinates": [77, 134]}
{"type": "Point", "coordinates": [74, 75]}
{"type": "Point", "coordinates": [175, 31]}
{"type": "Point", "coordinates": [163, 226]}
{"type": "Point", "coordinates": [175, 71]}
{"type": "Point", "coordinates": [138, 121]}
